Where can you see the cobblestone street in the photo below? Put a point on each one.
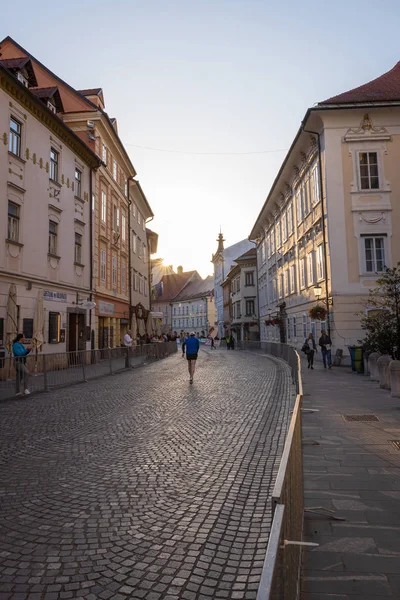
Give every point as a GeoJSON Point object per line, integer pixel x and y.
{"type": "Point", "coordinates": [139, 485]}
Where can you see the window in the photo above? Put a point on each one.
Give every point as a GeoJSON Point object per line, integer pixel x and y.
{"type": "Point", "coordinates": [78, 183]}
{"type": "Point", "coordinates": [27, 328]}
{"type": "Point", "coordinates": [144, 253]}
{"type": "Point", "coordinates": [54, 160]}
{"type": "Point", "coordinates": [103, 207]}
{"type": "Point", "coordinates": [134, 243]}
{"type": "Point", "coordinates": [249, 278]}
{"type": "Point", "coordinates": [290, 218]}
{"type": "Point", "coordinates": [103, 259]}
{"type": "Point", "coordinates": [304, 326]}
{"type": "Point", "coordinates": [104, 154]}
{"type": "Point", "coordinates": [320, 262]}
{"type": "Point", "coordinates": [123, 227]}
{"type": "Point", "coordinates": [284, 227]}
{"type": "Point", "coordinates": [143, 224]}
{"type": "Point", "coordinates": [116, 219]}
{"type": "Point", "coordinates": [278, 235]}
{"type": "Point", "coordinates": [306, 197]}
{"type": "Point", "coordinates": [374, 254]}
{"type": "Point", "coordinates": [123, 276]}
{"type": "Point", "coordinates": [135, 281]}
{"type": "Point", "coordinates": [280, 286]}
{"type": "Point", "coordinates": [310, 268]}
{"type": "Point", "coordinates": [294, 327]}
{"type": "Point", "coordinates": [78, 248]}
{"type": "Point", "coordinates": [174, 310]}
{"type": "Point", "coordinates": [139, 216]}
{"type": "Point", "coordinates": [22, 79]}
{"type": "Point", "coordinates": [51, 106]}
{"type": "Point", "coordinates": [133, 209]}
{"type": "Point", "coordinates": [14, 144]}
{"type": "Point", "coordinates": [140, 248]}
{"type": "Point", "coordinates": [52, 237]}
{"type": "Point", "coordinates": [274, 285]}
{"type": "Point", "coordinates": [187, 309]}
{"type": "Point", "coordinates": [316, 190]}
{"type": "Point", "coordinates": [114, 271]}
{"type": "Point", "coordinates": [54, 327]}
{"type": "Point", "coordinates": [141, 284]}
{"type": "Point", "coordinates": [368, 165]}
{"type": "Point", "coordinates": [13, 222]}
{"type": "Point", "coordinates": [115, 169]}
{"type": "Point", "coordinates": [292, 279]}
{"type": "Point", "coordinates": [145, 286]}
{"type": "Point", "coordinates": [286, 280]}
{"type": "Point", "coordinates": [302, 273]}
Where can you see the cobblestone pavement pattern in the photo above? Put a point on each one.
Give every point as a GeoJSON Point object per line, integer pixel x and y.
{"type": "Point", "coordinates": [141, 486]}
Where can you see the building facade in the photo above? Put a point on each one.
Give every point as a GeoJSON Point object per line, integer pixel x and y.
{"type": "Point", "coordinates": [120, 266]}
{"type": "Point", "coordinates": [164, 292]}
{"type": "Point", "coordinates": [46, 176]}
{"type": "Point", "coordinates": [193, 309]}
{"type": "Point", "coordinates": [328, 226]}
{"type": "Point", "coordinates": [244, 320]}
{"type": "Point", "coordinates": [223, 260]}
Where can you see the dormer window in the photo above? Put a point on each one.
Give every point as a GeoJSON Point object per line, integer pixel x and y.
{"type": "Point", "coordinates": [22, 79]}
{"type": "Point", "coordinates": [51, 107]}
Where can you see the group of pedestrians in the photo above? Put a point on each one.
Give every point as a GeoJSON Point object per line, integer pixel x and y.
{"type": "Point", "coordinates": [310, 348]}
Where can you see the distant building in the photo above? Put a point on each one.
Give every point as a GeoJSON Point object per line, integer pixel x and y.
{"type": "Point", "coordinates": [164, 292]}
{"type": "Point", "coordinates": [223, 260]}
{"type": "Point", "coordinates": [193, 309]}
{"type": "Point", "coordinates": [242, 283]}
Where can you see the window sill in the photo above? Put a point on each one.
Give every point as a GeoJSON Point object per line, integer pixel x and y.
{"type": "Point", "coordinates": [78, 264]}
{"type": "Point", "coordinates": [54, 182]}
{"type": "Point", "coordinates": [14, 242]}
{"type": "Point", "coordinates": [50, 255]}
{"type": "Point", "coordinates": [373, 275]}
{"type": "Point", "coordinates": [19, 158]}
{"type": "Point", "coordinates": [79, 198]}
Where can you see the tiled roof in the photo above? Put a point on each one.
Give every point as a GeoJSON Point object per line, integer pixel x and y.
{"type": "Point", "coordinates": [91, 92]}
{"type": "Point", "coordinates": [172, 284]}
{"type": "Point", "coordinates": [44, 92]}
{"type": "Point", "coordinates": [14, 64]}
{"type": "Point", "coordinates": [385, 88]}
{"type": "Point", "coordinates": [252, 253]}
{"type": "Point", "coordinates": [196, 289]}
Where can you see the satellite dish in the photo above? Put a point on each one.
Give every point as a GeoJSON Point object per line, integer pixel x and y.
{"type": "Point", "coordinates": [89, 305]}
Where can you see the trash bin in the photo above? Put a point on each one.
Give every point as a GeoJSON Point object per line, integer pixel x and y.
{"type": "Point", "coordinates": [357, 359]}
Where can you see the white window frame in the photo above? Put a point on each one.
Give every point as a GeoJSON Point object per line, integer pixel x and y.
{"type": "Point", "coordinates": [103, 207]}
{"type": "Point", "coordinates": [290, 224]}
{"type": "Point", "coordinates": [104, 154]}
{"type": "Point", "coordinates": [103, 264]}
{"type": "Point", "coordinates": [15, 137]}
{"type": "Point", "coordinates": [302, 273]}
{"type": "Point", "coordinates": [286, 282]}
{"type": "Point", "coordinates": [114, 271]}
{"type": "Point", "coordinates": [320, 262]}
{"type": "Point", "coordinates": [115, 170]}
{"type": "Point", "coordinates": [316, 186]}
{"type": "Point", "coordinates": [53, 237]}
{"type": "Point", "coordinates": [364, 253]}
{"type": "Point", "coordinates": [278, 234]}
{"type": "Point", "coordinates": [13, 221]}
{"type": "Point", "coordinates": [292, 279]}
{"type": "Point", "coordinates": [78, 183]}
{"type": "Point", "coordinates": [284, 227]}
{"type": "Point", "coordinates": [123, 227]}
{"type": "Point", "coordinates": [299, 204]}
{"type": "Point", "coordinates": [134, 243]}
{"type": "Point", "coordinates": [310, 268]}
{"type": "Point", "coordinates": [54, 165]}
{"type": "Point", "coordinates": [379, 166]}
{"type": "Point", "coordinates": [78, 248]}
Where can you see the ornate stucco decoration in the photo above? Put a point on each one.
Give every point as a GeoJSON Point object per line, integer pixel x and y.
{"type": "Point", "coordinates": [366, 130]}
{"type": "Point", "coordinates": [381, 217]}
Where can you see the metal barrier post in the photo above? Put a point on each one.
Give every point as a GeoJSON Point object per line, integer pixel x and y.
{"type": "Point", "coordinates": [110, 361]}
{"type": "Point", "coordinates": [83, 359]}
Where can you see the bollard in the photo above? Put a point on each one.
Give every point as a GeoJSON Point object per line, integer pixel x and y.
{"type": "Point", "coordinates": [394, 372]}
{"type": "Point", "coordinates": [383, 368]}
{"type": "Point", "coordinates": [373, 365]}
{"type": "Point", "coordinates": [366, 364]}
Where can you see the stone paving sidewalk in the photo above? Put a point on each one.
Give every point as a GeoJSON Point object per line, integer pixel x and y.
{"type": "Point", "coordinates": [352, 468]}
{"type": "Point", "coordinates": [140, 485]}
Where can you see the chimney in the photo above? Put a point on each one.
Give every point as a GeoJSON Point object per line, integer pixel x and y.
{"type": "Point", "coordinates": [180, 270]}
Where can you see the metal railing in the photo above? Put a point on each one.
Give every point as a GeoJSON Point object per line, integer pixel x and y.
{"type": "Point", "coordinates": [281, 572]}
{"type": "Point", "coordinates": [49, 371]}
{"type": "Point", "coordinates": [280, 577]}
{"type": "Point", "coordinates": [283, 351]}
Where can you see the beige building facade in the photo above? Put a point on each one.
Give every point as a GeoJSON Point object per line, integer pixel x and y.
{"type": "Point", "coordinates": [328, 226]}
{"type": "Point", "coordinates": [46, 177]}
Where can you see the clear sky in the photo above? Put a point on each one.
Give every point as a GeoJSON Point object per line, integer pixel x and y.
{"type": "Point", "coordinates": [208, 80]}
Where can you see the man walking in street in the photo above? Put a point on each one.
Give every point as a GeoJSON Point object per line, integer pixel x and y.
{"type": "Point", "coordinates": [192, 345]}
{"type": "Point", "coordinates": [326, 344]}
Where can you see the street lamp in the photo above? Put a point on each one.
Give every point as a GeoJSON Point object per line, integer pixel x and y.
{"type": "Point", "coordinates": [318, 292]}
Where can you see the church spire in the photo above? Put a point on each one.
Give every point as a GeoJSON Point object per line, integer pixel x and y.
{"type": "Point", "coordinates": [220, 241]}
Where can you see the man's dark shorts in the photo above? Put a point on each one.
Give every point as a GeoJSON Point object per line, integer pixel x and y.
{"type": "Point", "coordinates": [191, 356]}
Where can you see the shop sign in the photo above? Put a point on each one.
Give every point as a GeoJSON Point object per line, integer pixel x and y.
{"type": "Point", "coordinates": [106, 308]}
{"type": "Point", "coordinates": [55, 296]}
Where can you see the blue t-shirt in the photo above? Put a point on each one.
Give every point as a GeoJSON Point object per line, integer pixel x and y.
{"type": "Point", "coordinates": [192, 345]}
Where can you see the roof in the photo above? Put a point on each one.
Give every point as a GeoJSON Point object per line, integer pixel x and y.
{"type": "Point", "coordinates": [252, 253]}
{"type": "Point", "coordinates": [173, 283]}
{"type": "Point", "coordinates": [14, 64]}
{"type": "Point", "coordinates": [197, 288]}
{"type": "Point", "coordinates": [91, 92]}
{"type": "Point", "coordinates": [385, 88]}
{"type": "Point", "coordinates": [47, 93]}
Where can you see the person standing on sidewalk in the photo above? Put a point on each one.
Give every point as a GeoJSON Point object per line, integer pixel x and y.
{"type": "Point", "coordinates": [192, 350]}
{"type": "Point", "coordinates": [326, 344]}
{"type": "Point", "coordinates": [128, 342]}
{"type": "Point", "coordinates": [310, 349]}
{"type": "Point", "coordinates": [20, 353]}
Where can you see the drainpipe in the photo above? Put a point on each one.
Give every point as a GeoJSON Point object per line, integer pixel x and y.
{"type": "Point", "coordinates": [258, 293]}
{"type": "Point", "coordinates": [91, 250]}
{"type": "Point", "coordinates": [130, 178]}
{"type": "Point", "coordinates": [323, 225]}
{"type": "Point", "coordinates": [149, 265]}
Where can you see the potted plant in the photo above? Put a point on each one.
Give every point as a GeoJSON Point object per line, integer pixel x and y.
{"type": "Point", "coordinates": [318, 313]}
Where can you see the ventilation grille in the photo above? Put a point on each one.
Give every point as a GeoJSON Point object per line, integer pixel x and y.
{"type": "Point", "coordinates": [360, 418]}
